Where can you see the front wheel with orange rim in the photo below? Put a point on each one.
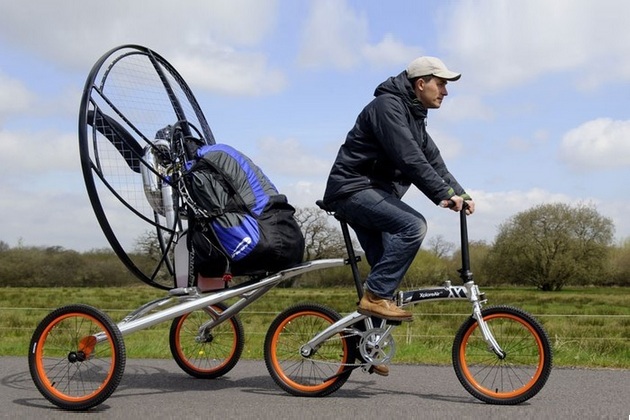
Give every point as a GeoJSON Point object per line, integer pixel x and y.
{"type": "Point", "coordinates": [76, 357]}
{"type": "Point", "coordinates": [517, 376]}
{"type": "Point", "coordinates": [317, 374]}
{"type": "Point", "coordinates": [204, 352]}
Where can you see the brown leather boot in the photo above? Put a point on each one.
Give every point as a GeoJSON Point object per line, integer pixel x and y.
{"type": "Point", "coordinates": [381, 370]}
{"type": "Point", "coordinates": [373, 305]}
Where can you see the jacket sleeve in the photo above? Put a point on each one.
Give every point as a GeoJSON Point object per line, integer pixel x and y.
{"type": "Point", "coordinates": [428, 172]}
{"type": "Point", "coordinates": [435, 158]}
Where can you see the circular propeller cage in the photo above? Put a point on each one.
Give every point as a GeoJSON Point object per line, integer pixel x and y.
{"type": "Point", "coordinates": [137, 115]}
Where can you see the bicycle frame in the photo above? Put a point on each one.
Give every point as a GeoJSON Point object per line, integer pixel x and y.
{"type": "Point", "coordinates": [469, 291]}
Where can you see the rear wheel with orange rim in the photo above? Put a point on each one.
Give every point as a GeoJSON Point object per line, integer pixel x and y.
{"type": "Point", "coordinates": [317, 374]}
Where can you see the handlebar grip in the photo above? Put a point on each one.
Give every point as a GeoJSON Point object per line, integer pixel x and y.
{"type": "Point", "coordinates": [450, 204]}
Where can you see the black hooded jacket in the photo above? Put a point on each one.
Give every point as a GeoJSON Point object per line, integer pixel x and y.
{"type": "Point", "coordinates": [389, 148]}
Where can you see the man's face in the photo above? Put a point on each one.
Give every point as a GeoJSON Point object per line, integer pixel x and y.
{"type": "Point", "coordinates": [431, 93]}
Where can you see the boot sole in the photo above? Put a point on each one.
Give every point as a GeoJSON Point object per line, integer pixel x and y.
{"type": "Point", "coordinates": [378, 372]}
{"type": "Point", "coordinates": [385, 317]}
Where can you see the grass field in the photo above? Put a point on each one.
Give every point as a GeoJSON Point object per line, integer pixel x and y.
{"type": "Point", "coordinates": [588, 327]}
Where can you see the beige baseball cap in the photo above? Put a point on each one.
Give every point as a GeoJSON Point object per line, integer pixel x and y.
{"type": "Point", "coordinates": [425, 66]}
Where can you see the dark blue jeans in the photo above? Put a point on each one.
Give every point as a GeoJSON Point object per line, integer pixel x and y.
{"type": "Point", "coordinates": [389, 231]}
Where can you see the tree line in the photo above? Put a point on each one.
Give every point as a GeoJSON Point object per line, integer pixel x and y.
{"type": "Point", "coordinates": [548, 247]}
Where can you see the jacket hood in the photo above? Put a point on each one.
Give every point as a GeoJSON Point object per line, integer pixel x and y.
{"type": "Point", "coordinates": [400, 86]}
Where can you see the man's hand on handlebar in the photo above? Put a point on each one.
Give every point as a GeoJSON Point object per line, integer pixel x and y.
{"type": "Point", "coordinates": [470, 206]}
{"type": "Point", "coordinates": [456, 203]}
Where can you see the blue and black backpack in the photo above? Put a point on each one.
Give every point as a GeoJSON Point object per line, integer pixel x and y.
{"type": "Point", "coordinates": [246, 225]}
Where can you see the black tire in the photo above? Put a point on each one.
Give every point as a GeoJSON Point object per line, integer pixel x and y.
{"type": "Point", "coordinates": [69, 366]}
{"type": "Point", "coordinates": [518, 376]}
{"type": "Point", "coordinates": [213, 355]}
{"type": "Point", "coordinates": [323, 372]}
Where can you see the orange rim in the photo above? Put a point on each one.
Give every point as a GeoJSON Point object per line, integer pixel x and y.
{"type": "Point", "coordinates": [278, 369]}
{"type": "Point", "coordinates": [184, 358]}
{"type": "Point", "coordinates": [84, 343]}
{"type": "Point", "coordinates": [502, 395]}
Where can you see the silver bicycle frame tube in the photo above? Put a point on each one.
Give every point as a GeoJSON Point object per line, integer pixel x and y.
{"type": "Point", "coordinates": [451, 292]}
{"type": "Point", "coordinates": [193, 302]}
{"type": "Point", "coordinates": [313, 344]}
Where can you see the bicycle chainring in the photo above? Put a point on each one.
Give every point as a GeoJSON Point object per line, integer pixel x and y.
{"type": "Point", "coordinates": [377, 346]}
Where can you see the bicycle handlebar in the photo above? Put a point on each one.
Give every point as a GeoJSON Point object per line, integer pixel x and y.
{"type": "Point", "coordinates": [450, 204]}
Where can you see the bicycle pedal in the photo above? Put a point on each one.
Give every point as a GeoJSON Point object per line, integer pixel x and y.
{"type": "Point", "coordinates": [392, 322]}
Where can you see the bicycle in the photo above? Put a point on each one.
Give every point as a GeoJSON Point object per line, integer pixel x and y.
{"type": "Point", "coordinates": [501, 354]}
{"type": "Point", "coordinates": [77, 353]}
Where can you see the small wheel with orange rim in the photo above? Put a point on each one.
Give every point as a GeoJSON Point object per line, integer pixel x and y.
{"type": "Point", "coordinates": [76, 357]}
{"type": "Point", "coordinates": [203, 352]}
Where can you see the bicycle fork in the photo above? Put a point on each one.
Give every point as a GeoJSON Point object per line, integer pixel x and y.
{"type": "Point", "coordinates": [477, 298]}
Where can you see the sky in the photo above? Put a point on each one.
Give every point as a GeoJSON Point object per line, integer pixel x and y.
{"type": "Point", "coordinates": [540, 114]}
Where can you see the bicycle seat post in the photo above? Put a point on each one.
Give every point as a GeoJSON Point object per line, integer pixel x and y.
{"type": "Point", "coordinates": [352, 257]}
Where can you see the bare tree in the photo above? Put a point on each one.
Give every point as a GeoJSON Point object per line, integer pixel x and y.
{"type": "Point", "coordinates": [322, 240]}
{"type": "Point", "coordinates": [148, 244]}
{"type": "Point", "coordinates": [439, 246]}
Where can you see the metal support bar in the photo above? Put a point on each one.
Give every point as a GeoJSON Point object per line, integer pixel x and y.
{"type": "Point", "coordinates": [194, 303]}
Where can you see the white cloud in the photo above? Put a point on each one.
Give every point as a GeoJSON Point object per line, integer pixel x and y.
{"type": "Point", "coordinates": [229, 72]}
{"type": "Point", "coordinates": [597, 144]}
{"type": "Point", "coordinates": [538, 141]}
{"type": "Point", "coordinates": [332, 34]}
{"type": "Point", "coordinates": [288, 158]}
{"type": "Point", "coordinates": [335, 35]}
{"type": "Point", "coordinates": [449, 146]}
{"type": "Point", "coordinates": [198, 32]}
{"type": "Point", "coordinates": [501, 205]}
{"type": "Point", "coordinates": [49, 218]}
{"type": "Point", "coordinates": [297, 172]}
{"type": "Point", "coordinates": [303, 193]}
{"type": "Point", "coordinates": [464, 107]}
{"type": "Point", "coordinates": [35, 154]}
{"type": "Point", "coordinates": [15, 98]}
{"type": "Point", "coordinates": [504, 42]}
{"type": "Point", "coordinates": [493, 208]}
{"type": "Point", "coordinates": [101, 26]}
{"type": "Point", "coordinates": [496, 208]}
{"type": "Point", "coordinates": [389, 51]}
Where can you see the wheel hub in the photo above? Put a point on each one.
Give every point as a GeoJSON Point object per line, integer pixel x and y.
{"type": "Point", "coordinates": [76, 356]}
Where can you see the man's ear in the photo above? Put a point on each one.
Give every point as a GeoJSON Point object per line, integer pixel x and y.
{"type": "Point", "coordinates": [420, 84]}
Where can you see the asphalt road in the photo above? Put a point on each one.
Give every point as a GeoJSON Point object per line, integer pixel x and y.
{"type": "Point", "coordinates": [158, 389]}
